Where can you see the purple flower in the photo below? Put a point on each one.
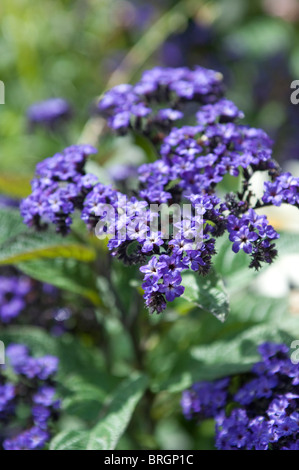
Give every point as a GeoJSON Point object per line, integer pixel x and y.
{"type": "Point", "coordinates": [140, 110]}
{"type": "Point", "coordinates": [48, 366]}
{"type": "Point", "coordinates": [285, 188]}
{"type": "Point", "coordinates": [33, 439]}
{"type": "Point", "coordinates": [152, 241]}
{"type": "Point", "coordinates": [169, 114]}
{"type": "Point", "coordinates": [151, 270]}
{"type": "Point", "coordinates": [120, 121]}
{"type": "Point", "coordinates": [41, 415]}
{"type": "Point", "coordinates": [224, 110]}
{"type": "Point", "coordinates": [272, 194]}
{"type": "Point", "coordinates": [171, 265]}
{"type": "Point", "coordinates": [45, 396]}
{"type": "Point", "coordinates": [243, 239]}
{"type": "Point", "coordinates": [171, 287]}
{"type": "Point", "coordinates": [195, 260]}
{"type": "Point", "coordinates": [269, 350]}
{"type": "Point", "coordinates": [17, 355]}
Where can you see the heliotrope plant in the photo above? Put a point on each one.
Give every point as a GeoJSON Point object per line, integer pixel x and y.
{"type": "Point", "coordinates": [257, 411]}
{"type": "Point", "coordinates": [198, 141]}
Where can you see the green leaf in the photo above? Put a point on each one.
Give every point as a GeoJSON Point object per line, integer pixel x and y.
{"type": "Point", "coordinates": [226, 261]}
{"type": "Point", "coordinates": [11, 224]}
{"type": "Point", "coordinates": [70, 440]}
{"type": "Point", "coordinates": [226, 357]}
{"type": "Point", "coordinates": [248, 307]}
{"type": "Point", "coordinates": [233, 266]}
{"type": "Point", "coordinates": [64, 273]}
{"type": "Point", "coordinates": [18, 243]}
{"type": "Point", "coordinates": [206, 292]}
{"type": "Point", "coordinates": [106, 434]}
{"type": "Point", "coordinates": [86, 399]}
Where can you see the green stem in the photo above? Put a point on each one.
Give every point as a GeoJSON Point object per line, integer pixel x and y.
{"type": "Point", "coordinates": [173, 20]}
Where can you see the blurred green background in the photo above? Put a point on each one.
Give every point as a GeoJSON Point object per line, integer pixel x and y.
{"type": "Point", "coordinates": [74, 49]}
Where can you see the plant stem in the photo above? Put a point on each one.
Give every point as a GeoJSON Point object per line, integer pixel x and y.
{"type": "Point", "coordinates": [173, 20]}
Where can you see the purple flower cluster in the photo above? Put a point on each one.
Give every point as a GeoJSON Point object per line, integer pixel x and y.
{"type": "Point", "coordinates": [13, 293]}
{"type": "Point", "coordinates": [159, 98]}
{"type": "Point", "coordinates": [162, 274]}
{"type": "Point", "coordinates": [222, 111]}
{"type": "Point", "coordinates": [262, 414]}
{"type": "Point", "coordinates": [23, 364]}
{"type": "Point", "coordinates": [252, 234]}
{"type": "Point", "coordinates": [192, 161]}
{"type": "Point", "coordinates": [32, 386]}
{"type": "Point", "coordinates": [200, 156]}
{"type": "Point", "coordinates": [48, 113]}
{"type": "Point", "coordinates": [205, 399]}
{"type": "Point", "coordinates": [285, 188]}
{"type": "Point", "coordinates": [59, 188]}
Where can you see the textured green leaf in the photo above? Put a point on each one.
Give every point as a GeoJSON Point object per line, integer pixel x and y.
{"type": "Point", "coordinates": [206, 292]}
{"type": "Point", "coordinates": [226, 261]}
{"type": "Point", "coordinates": [226, 357]}
{"type": "Point", "coordinates": [65, 273]}
{"type": "Point", "coordinates": [247, 307]}
{"type": "Point", "coordinates": [106, 434]}
{"type": "Point", "coordinates": [70, 440]}
{"type": "Point", "coordinates": [18, 243]}
{"type": "Point", "coordinates": [85, 400]}
{"type": "Point", "coordinates": [233, 266]}
{"type": "Point", "coordinates": [11, 224]}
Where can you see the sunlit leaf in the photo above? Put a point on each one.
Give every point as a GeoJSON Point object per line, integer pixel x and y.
{"type": "Point", "coordinates": [206, 292]}
{"type": "Point", "coordinates": [18, 243]}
